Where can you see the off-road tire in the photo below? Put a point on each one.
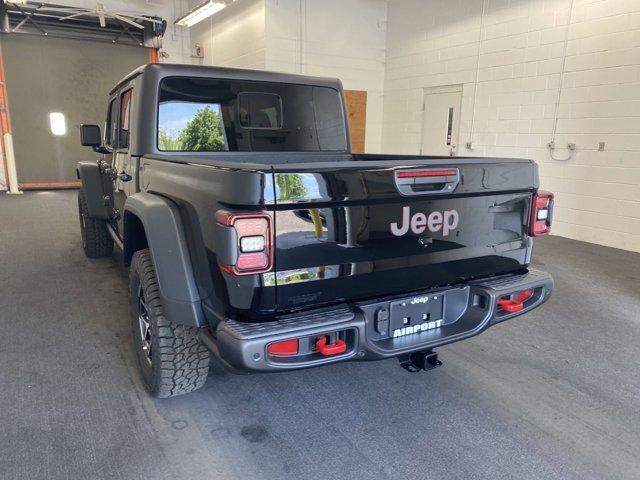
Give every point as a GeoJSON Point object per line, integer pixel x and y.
{"type": "Point", "coordinates": [96, 241]}
{"type": "Point", "coordinates": [178, 362]}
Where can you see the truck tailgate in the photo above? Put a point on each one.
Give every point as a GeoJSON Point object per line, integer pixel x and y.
{"type": "Point", "coordinates": [380, 226]}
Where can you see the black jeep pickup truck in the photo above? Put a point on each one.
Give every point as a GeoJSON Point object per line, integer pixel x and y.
{"type": "Point", "coordinates": [254, 235]}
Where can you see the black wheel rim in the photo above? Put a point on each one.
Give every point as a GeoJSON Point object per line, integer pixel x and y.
{"type": "Point", "coordinates": [144, 326]}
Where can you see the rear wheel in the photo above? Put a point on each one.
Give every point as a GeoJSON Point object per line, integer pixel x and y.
{"type": "Point", "coordinates": [171, 359]}
{"type": "Point", "coordinates": [96, 241]}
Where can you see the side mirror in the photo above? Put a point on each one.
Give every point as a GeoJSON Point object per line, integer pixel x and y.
{"type": "Point", "coordinates": [90, 137]}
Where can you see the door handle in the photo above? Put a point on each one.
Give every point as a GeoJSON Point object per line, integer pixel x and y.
{"type": "Point", "coordinates": [427, 181]}
{"type": "Point", "coordinates": [124, 177]}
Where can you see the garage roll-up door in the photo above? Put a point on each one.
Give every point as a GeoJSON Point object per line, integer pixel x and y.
{"type": "Point", "coordinates": [46, 75]}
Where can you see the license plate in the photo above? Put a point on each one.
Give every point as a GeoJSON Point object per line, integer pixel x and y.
{"type": "Point", "coordinates": [416, 311]}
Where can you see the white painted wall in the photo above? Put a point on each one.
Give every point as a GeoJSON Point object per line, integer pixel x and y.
{"type": "Point", "coordinates": [521, 46]}
{"type": "Point", "coordinates": [234, 37]}
{"type": "Point", "coordinates": [332, 38]}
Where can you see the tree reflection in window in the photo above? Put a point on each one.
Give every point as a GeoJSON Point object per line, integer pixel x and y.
{"type": "Point", "coordinates": [190, 128]}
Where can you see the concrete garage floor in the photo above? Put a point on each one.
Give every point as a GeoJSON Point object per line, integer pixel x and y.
{"type": "Point", "coordinates": [554, 395]}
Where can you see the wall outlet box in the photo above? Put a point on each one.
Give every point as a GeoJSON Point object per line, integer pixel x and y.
{"type": "Point", "coordinates": [198, 51]}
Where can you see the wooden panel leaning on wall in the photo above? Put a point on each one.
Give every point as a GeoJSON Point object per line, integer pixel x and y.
{"type": "Point", "coordinates": [357, 112]}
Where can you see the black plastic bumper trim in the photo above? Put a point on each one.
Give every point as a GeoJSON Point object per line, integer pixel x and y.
{"type": "Point", "coordinates": [241, 346]}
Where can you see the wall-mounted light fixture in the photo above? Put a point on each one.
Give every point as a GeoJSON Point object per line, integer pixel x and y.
{"type": "Point", "coordinates": [201, 12]}
{"type": "Point", "coordinates": [57, 123]}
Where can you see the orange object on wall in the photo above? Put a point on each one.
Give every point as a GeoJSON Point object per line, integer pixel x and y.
{"type": "Point", "coordinates": [5, 122]}
{"type": "Point", "coordinates": [153, 55]}
{"type": "Point", "coordinates": [357, 118]}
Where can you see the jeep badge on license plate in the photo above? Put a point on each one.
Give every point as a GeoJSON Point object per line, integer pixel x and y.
{"type": "Point", "coordinates": [416, 314]}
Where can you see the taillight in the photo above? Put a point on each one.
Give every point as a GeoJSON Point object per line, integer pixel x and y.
{"type": "Point", "coordinates": [253, 241]}
{"type": "Point", "coordinates": [541, 213]}
{"type": "Point", "coordinates": [447, 172]}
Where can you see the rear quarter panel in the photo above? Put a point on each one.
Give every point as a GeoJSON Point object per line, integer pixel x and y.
{"type": "Point", "coordinates": [200, 191]}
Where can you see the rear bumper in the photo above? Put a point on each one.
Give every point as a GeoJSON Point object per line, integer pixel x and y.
{"type": "Point", "coordinates": [468, 310]}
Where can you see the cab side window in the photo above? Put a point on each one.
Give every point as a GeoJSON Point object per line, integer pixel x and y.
{"type": "Point", "coordinates": [110, 125]}
{"type": "Point", "coordinates": [125, 116]}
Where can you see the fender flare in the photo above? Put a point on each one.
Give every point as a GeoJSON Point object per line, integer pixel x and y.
{"type": "Point", "coordinates": [92, 187]}
{"type": "Point", "coordinates": [170, 254]}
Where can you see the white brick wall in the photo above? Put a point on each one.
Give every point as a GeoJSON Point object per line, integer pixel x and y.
{"type": "Point", "coordinates": [333, 38]}
{"type": "Point", "coordinates": [521, 45]}
{"type": "Point", "coordinates": [175, 43]}
{"type": "Point", "coordinates": [234, 37]}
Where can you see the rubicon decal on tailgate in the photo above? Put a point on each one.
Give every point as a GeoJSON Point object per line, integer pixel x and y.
{"type": "Point", "coordinates": [419, 222]}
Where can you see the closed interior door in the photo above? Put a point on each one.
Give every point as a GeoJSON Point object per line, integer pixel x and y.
{"type": "Point", "coordinates": [441, 120]}
{"type": "Point", "coordinates": [357, 110]}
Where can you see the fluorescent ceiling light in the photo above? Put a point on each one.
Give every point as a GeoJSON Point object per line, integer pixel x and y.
{"type": "Point", "coordinates": [201, 12]}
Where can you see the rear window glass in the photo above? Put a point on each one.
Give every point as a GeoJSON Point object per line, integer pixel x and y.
{"type": "Point", "coordinates": [260, 110]}
{"type": "Point", "coordinates": [125, 110]}
{"type": "Point", "coordinates": [209, 115]}
{"type": "Point", "coordinates": [125, 116]}
{"type": "Point", "coordinates": [110, 124]}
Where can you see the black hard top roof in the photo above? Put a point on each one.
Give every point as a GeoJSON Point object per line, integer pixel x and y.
{"type": "Point", "coordinates": [161, 70]}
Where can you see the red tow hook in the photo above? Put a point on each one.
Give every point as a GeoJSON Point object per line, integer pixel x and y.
{"type": "Point", "coordinates": [516, 305]}
{"type": "Point", "coordinates": [330, 349]}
